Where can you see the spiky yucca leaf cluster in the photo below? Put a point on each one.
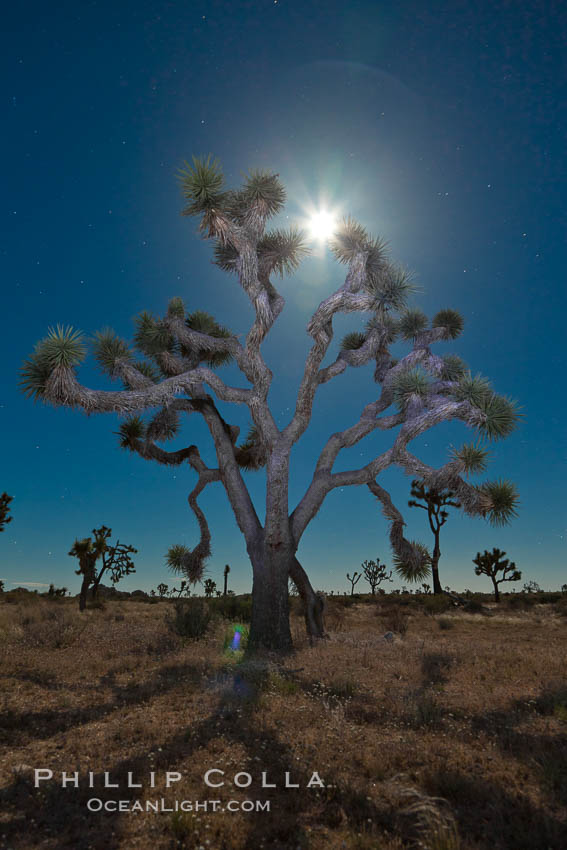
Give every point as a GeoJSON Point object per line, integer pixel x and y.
{"type": "Point", "coordinates": [176, 307]}
{"type": "Point", "coordinates": [226, 256]}
{"type": "Point", "coordinates": [152, 336]}
{"type": "Point", "coordinates": [474, 389]}
{"type": "Point", "coordinates": [409, 383]}
{"type": "Point", "coordinates": [353, 341]}
{"type": "Point", "coordinates": [63, 347]}
{"type": "Point", "coordinates": [412, 323]}
{"type": "Point", "coordinates": [202, 185]}
{"type": "Point", "coordinates": [451, 320]}
{"type": "Point", "coordinates": [283, 250]}
{"type": "Point", "coordinates": [472, 456]}
{"type": "Point", "coordinates": [453, 368]}
{"type": "Point", "coordinates": [377, 265]}
{"type": "Point", "coordinates": [109, 348]}
{"type": "Point", "coordinates": [414, 564]}
{"type": "Point", "coordinates": [391, 288]}
{"type": "Point", "coordinates": [386, 325]}
{"type": "Point", "coordinates": [251, 454]}
{"type": "Point", "coordinates": [34, 373]}
{"type": "Point", "coordinates": [131, 429]}
{"type": "Point", "coordinates": [349, 239]}
{"type": "Point", "coordinates": [164, 425]}
{"type": "Point", "coordinates": [204, 323]}
{"type": "Point", "coordinates": [503, 499]}
{"type": "Point", "coordinates": [501, 416]}
{"type": "Point", "coordinates": [389, 284]}
{"type": "Point", "coordinates": [190, 564]}
{"type": "Point", "coordinates": [262, 190]}
{"type": "Point", "coordinates": [146, 369]}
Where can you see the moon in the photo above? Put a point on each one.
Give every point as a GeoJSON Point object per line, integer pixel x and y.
{"type": "Point", "coordinates": [322, 225]}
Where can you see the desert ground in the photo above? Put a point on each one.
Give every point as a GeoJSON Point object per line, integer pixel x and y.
{"type": "Point", "coordinates": [449, 733]}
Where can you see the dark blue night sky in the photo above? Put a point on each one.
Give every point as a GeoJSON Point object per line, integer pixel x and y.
{"type": "Point", "coordinates": [440, 126]}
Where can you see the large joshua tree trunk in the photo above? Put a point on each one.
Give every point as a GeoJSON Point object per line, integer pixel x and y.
{"type": "Point", "coordinates": [270, 602]}
{"type": "Point", "coordinates": [435, 566]}
{"type": "Point", "coordinates": [270, 605]}
{"type": "Point", "coordinates": [269, 627]}
{"type": "Point", "coordinates": [276, 563]}
{"type": "Point", "coordinates": [83, 593]}
{"type": "Point", "coordinates": [496, 590]}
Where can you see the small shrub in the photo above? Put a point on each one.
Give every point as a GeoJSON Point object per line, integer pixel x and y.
{"type": "Point", "coordinates": [232, 607]}
{"type": "Point", "coordinates": [553, 700]}
{"type": "Point", "coordinates": [51, 628]}
{"type": "Point", "coordinates": [424, 710]}
{"type": "Point", "coordinates": [474, 607]}
{"type": "Point", "coordinates": [282, 685]}
{"type": "Point", "coordinates": [396, 621]}
{"type": "Point", "coordinates": [435, 666]}
{"type": "Point", "coordinates": [436, 604]}
{"type": "Point", "coordinates": [516, 602]}
{"type": "Point", "coordinates": [341, 689]}
{"type": "Point", "coordinates": [191, 618]}
{"type": "Point", "coordinates": [345, 601]}
{"type": "Point", "coordinates": [334, 617]}
{"type": "Point", "coordinates": [162, 645]}
{"type": "Point", "coordinates": [445, 624]}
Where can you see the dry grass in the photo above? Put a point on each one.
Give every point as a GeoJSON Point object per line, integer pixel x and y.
{"type": "Point", "coordinates": [444, 739]}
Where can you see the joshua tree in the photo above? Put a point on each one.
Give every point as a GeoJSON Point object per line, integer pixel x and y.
{"type": "Point", "coordinates": [531, 587]}
{"type": "Point", "coordinates": [226, 572]}
{"type": "Point", "coordinates": [435, 502]}
{"type": "Point", "coordinates": [177, 377]}
{"type": "Point", "coordinates": [115, 560]}
{"type": "Point", "coordinates": [493, 564]}
{"type": "Point", "coordinates": [4, 510]}
{"type": "Point", "coordinates": [355, 578]}
{"type": "Point", "coordinates": [182, 587]}
{"type": "Point", "coordinates": [162, 590]}
{"type": "Point", "coordinates": [210, 587]}
{"type": "Point", "coordinates": [1, 586]}
{"type": "Point", "coordinates": [375, 573]}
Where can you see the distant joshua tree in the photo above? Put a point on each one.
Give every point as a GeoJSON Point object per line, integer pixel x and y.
{"type": "Point", "coordinates": [56, 591]}
{"type": "Point", "coordinates": [355, 578]}
{"type": "Point", "coordinates": [493, 564]}
{"type": "Point", "coordinates": [182, 586]}
{"type": "Point", "coordinates": [4, 510]}
{"type": "Point", "coordinates": [210, 587]}
{"type": "Point", "coordinates": [226, 572]}
{"type": "Point", "coordinates": [1, 586]}
{"type": "Point", "coordinates": [434, 501]}
{"type": "Point", "coordinates": [375, 573]}
{"type": "Point", "coordinates": [115, 560]}
{"type": "Point", "coordinates": [531, 587]}
{"type": "Point", "coordinates": [162, 590]}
